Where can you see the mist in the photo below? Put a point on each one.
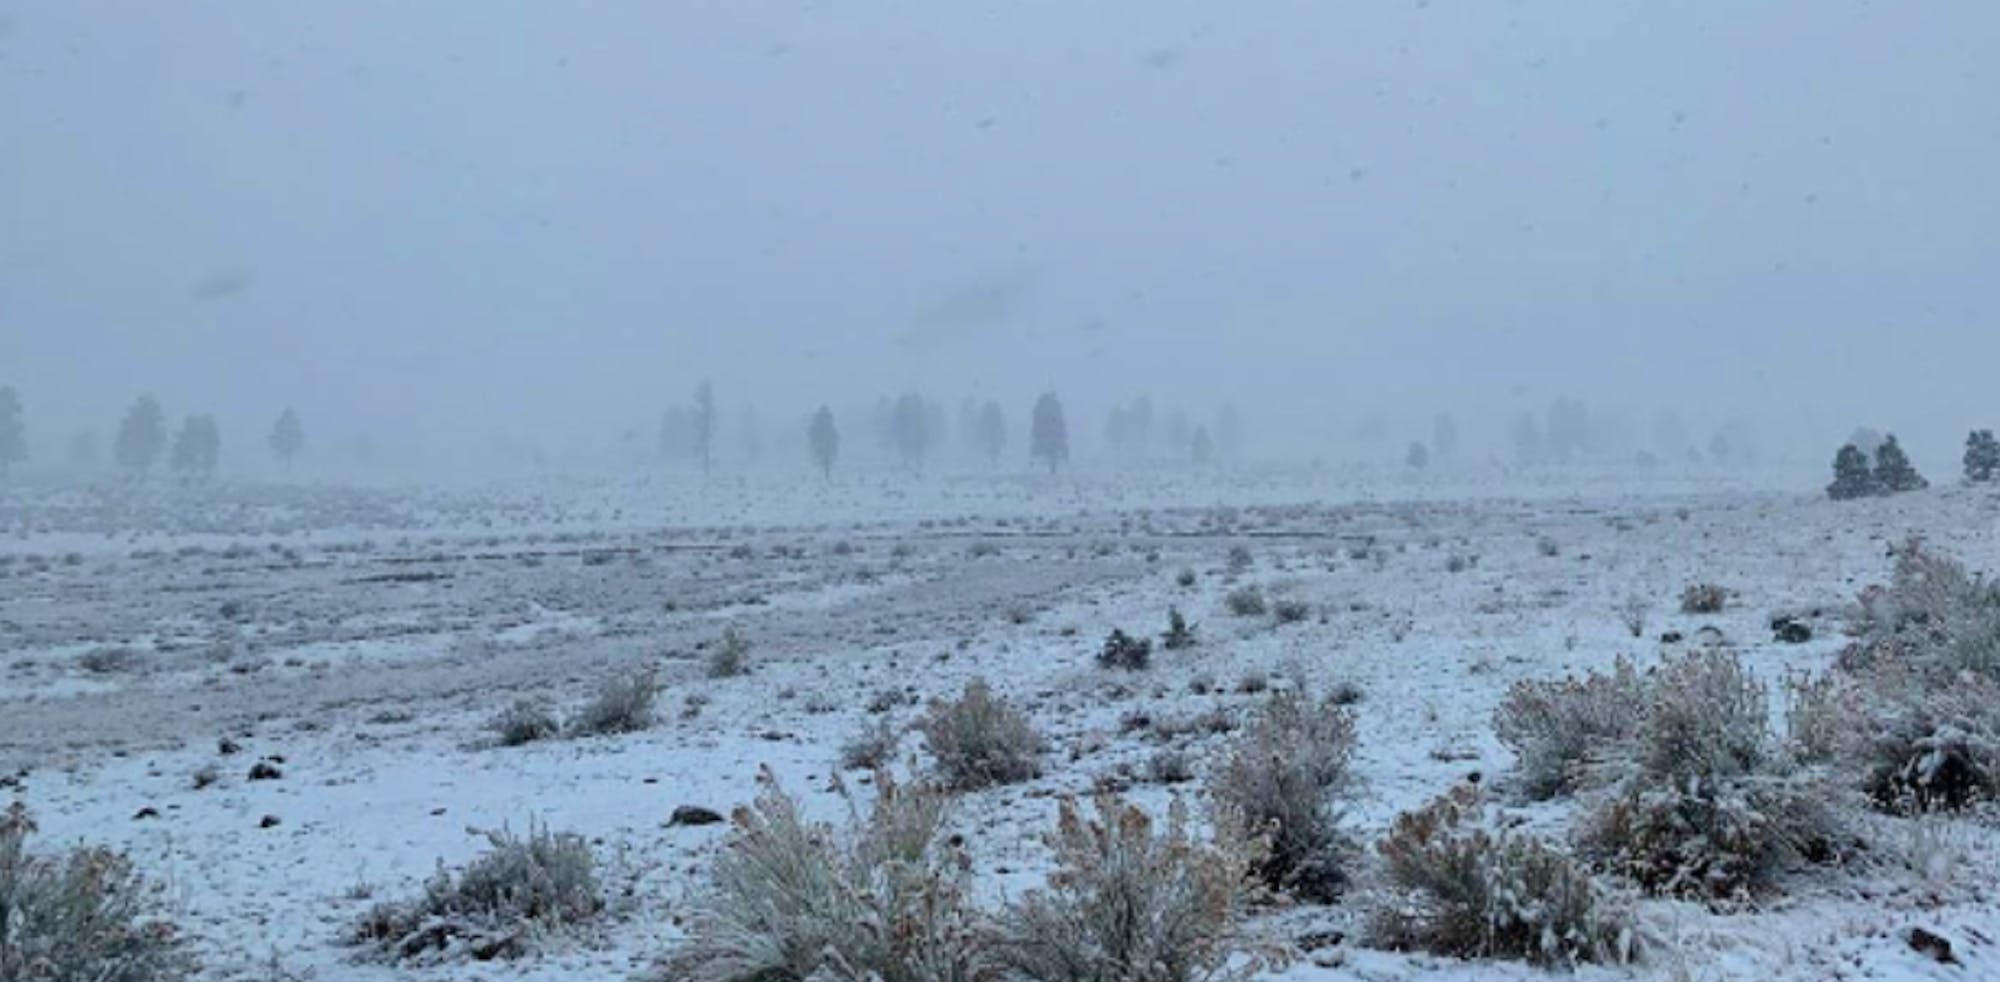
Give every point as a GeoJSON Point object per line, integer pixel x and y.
{"type": "Point", "coordinates": [456, 231]}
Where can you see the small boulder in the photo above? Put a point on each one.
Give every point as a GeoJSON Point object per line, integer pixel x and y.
{"type": "Point", "coordinates": [146, 812]}
{"type": "Point", "coordinates": [1931, 945]}
{"type": "Point", "coordinates": [268, 822]}
{"type": "Point", "coordinates": [695, 815]}
{"type": "Point", "coordinates": [1791, 631]}
{"type": "Point", "coordinates": [264, 770]}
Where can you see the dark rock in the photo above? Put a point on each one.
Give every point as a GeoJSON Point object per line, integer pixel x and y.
{"type": "Point", "coordinates": [1316, 940]}
{"type": "Point", "coordinates": [1936, 947]}
{"type": "Point", "coordinates": [268, 822]}
{"type": "Point", "coordinates": [1789, 631]}
{"type": "Point", "coordinates": [695, 815]}
{"type": "Point", "coordinates": [264, 770]}
{"type": "Point", "coordinates": [147, 812]}
{"type": "Point", "coordinates": [1672, 637]}
{"type": "Point", "coordinates": [226, 746]}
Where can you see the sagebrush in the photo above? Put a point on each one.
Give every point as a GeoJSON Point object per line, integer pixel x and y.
{"type": "Point", "coordinates": [522, 889]}
{"type": "Point", "coordinates": [979, 740]}
{"type": "Point", "coordinates": [1132, 902]}
{"type": "Point", "coordinates": [789, 900]}
{"type": "Point", "coordinates": [1282, 777]}
{"type": "Point", "coordinates": [85, 914]}
{"type": "Point", "coordinates": [1461, 885]}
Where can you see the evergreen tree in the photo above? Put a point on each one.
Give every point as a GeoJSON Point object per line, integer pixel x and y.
{"type": "Point", "coordinates": [1893, 471]}
{"type": "Point", "coordinates": [197, 448]}
{"type": "Point", "coordinates": [142, 435]}
{"type": "Point", "coordinates": [825, 441]}
{"type": "Point", "coordinates": [1201, 446]}
{"type": "Point", "coordinates": [13, 436]}
{"type": "Point", "coordinates": [1444, 436]}
{"type": "Point", "coordinates": [1418, 458]}
{"type": "Point", "coordinates": [992, 431]}
{"type": "Point", "coordinates": [1982, 457]}
{"type": "Point", "coordinates": [910, 423]}
{"type": "Point", "coordinates": [1852, 477]}
{"type": "Point", "coordinates": [704, 425]}
{"type": "Point", "coordinates": [1048, 435]}
{"type": "Point", "coordinates": [288, 436]}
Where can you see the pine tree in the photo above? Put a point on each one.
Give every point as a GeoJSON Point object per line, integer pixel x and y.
{"type": "Point", "coordinates": [287, 437]}
{"type": "Point", "coordinates": [1048, 435]}
{"type": "Point", "coordinates": [825, 441]}
{"type": "Point", "coordinates": [197, 448]}
{"type": "Point", "coordinates": [1201, 447]}
{"type": "Point", "coordinates": [1418, 458]}
{"type": "Point", "coordinates": [1982, 457]}
{"type": "Point", "coordinates": [910, 424]}
{"type": "Point", "coordinates": [992, 431]}
{"type": "Point", "coordinates": [142, 434]}
{"type": "Point", "coordinates": [1893, 471]}
{"type": "Point", "coordinates": [704, 425]}
{"type": "Point", "coordinates": [13, 436]}
{"type": "Point", "coordinates": [1852, 477]}
{"type": "Point", "coordinates": [1444, 436]}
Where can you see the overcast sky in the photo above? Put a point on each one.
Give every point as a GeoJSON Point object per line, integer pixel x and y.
{"type": "Point", "coordinates": [423, 217]}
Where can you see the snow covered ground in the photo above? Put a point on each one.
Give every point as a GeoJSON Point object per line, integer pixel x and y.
{"type": "Point", "coordinates": [362, 641]}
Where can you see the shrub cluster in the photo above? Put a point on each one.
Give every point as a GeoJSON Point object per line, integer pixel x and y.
{"type": "Point", "coordinates": [1919, 717]}
{"type": "Point", "coordinates": [1461, 886]}
{"type": "Point", "coordinates": [1700, 797]}
{"type": "Point", "coordinates": [83, 915]}
{"type": "Point", "coordinates": [889, 899]}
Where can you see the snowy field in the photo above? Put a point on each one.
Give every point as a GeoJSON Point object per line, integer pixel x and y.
{"type": "Point", "coordinates": [362, 640]}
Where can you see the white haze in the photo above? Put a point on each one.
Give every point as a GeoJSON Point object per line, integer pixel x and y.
{"type": "Point", "coordinates": [448, 227]}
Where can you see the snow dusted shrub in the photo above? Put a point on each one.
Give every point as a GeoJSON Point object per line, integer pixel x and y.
{"type": "Point", "coordinates": [1291, 611]}
{"type": "Point", "coordinates": [1924, 724]}
{"type": "Point", "coordinates": [1710, 807]}
{"type": "Point", "coordinates": [1280, 779]}
{"type": "Point", "coordinates": [1558, 728]}
{"type": "Point", "coordinates": [1820, 713]}
{"type": "Point", "coordinates": [624, 704]}
{"type": "Point", "coordinates": [790, 900]}
{"type": "Point", "coordinates": [730, 657]}
{"type": "Point", "coordinates": [1632, 613]}
{"type": "Point", "coordinates": [1461, 885]}
{"type": "Point", "coordinates": [520, 891]}
{"type": "Point", "coordinates": [1705, 716]}
{"type": "Point", "coordinates": [1180, 634]}
{"type": "Point", "coordinates": [1921, 747]}
{"type": "Point", "coordinates": [524, 722]}
{"type": "Point", "coordinates": [871, 747]}
{"type": "Point", "coordinates": [1703, 598]}
{"type": "Point", "coordinates": [1246, 601]}
{"type": "Point", "coordinates": [979, 740]}
{"type": "Point", "coordinates": [84, 915]}
{"type": "Point", "coordinates": [1712, 838]}
{"type": "Point", "coordinates": [1133, 903]}
{"type": "Point", "coordinates": [1124, 651]}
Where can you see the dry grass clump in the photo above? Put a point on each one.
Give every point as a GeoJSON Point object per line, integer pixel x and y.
{"type": "Point", "coordinates": [524, 722]}
{"type": "Point", "coordinates": [730, 657]}
{"type": "Point", "coordinates": [1246, 601]}
{"type": "Point", "coordinates": [624, 704]}
{"type": "Point", "coordinates": [1703, 598]}
{"type": "Point", "coordinates": [522, 889]}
